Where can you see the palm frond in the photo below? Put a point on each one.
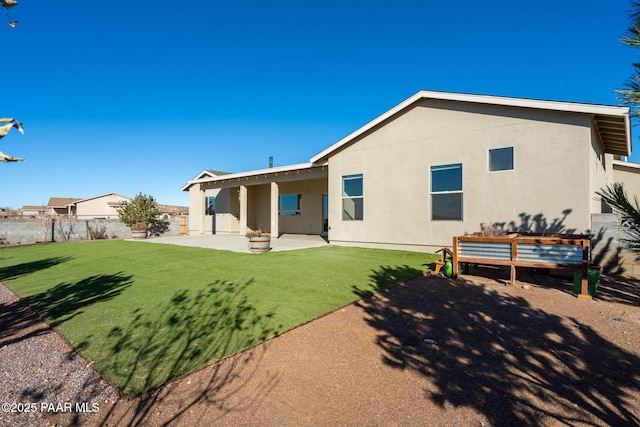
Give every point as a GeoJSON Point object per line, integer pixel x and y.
{"type": "Point", "coordinates": [615, 196]}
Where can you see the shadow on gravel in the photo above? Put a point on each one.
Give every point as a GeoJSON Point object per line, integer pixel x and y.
{"type": "Point", "coordinates": [66, 300]}
{"type": "Point", "coordinates": [619, 289]}
{"type": "Point", "coordinates": [190, 332]}
{"type": "Point", "coordinates": [19, 322]}
{"type": "Point", "coordinates": [494, 353]}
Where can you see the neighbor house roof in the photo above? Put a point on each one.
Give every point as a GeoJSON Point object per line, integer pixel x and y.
{"type": "Point", "coordinates": [102, 195]}
{"type": "Point", "coordinates": [612, 123]}
{"type": "Point", "coordinates": [61, 202]}
{"type": "Point", "coordinates": [210, 173]}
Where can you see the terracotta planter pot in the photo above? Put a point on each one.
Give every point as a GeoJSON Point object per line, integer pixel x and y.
{"type": "Point", "coordinates": [259, 244]}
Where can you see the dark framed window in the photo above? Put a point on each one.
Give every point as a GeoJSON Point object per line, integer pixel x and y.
{"type": "Point", "coordinates": [501, 159]}
{"type": "Point", "coordinates": [289, 204]}
{"type": "Point", "coordinates": [352, 198]}
{"type": "Point", "coordinates": [446, 192]}
{"type": "Point", "coordinates": [210, 205]}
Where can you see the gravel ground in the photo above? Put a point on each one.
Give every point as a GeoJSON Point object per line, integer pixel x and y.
{"type": "Point", "coordinates": [42, 377]}
{"type": "Point", "coordinates": [431, 351]}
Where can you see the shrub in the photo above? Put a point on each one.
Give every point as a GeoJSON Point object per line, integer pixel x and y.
{"type": "Point", "coordinates": [141, 209]}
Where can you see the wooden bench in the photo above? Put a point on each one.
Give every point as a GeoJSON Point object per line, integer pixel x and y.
{"type": "Point", "coordinates": [562, 251]}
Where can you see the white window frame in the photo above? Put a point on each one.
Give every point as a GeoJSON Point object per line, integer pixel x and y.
{"type": "Point", "coordinates": [343, 197]}
{"type": "Point", "coordinates": [436, 193]}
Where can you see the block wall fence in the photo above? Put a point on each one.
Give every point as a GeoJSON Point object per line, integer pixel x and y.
{"type": "Point", "coordinates": [26, 230]}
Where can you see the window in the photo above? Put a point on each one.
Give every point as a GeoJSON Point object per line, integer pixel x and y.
{"type": "Point", "coordinates": [446, 192]}
{"type": "Point", "coordinates": [289, 204]}
{"type": "Point", "coordinates": [352, 198]}
{"type": "Point", "coordinates": [501, 159]}
{"type": "Point", "coordinates": [210, 205]}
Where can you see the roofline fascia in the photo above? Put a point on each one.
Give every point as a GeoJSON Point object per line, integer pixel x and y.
{"type": "Point", "coordinates": [564, 106]}
{"type": "Point", "coordinates": [627, 164]}
{"type": "Point", "coordinates": [97, 197]}
{"type": "Point", "coordinates": [278, 169]}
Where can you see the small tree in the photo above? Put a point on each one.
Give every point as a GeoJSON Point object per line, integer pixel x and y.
{"type": "Point", "coordinates": [615, 197]}
{"type": "Point", "coordinates": [139, 212]}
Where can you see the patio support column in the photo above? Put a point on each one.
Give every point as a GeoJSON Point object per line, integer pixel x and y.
{"type": "Point", "coordinates": [201, 213]}
{"type": "Point", "coordinates": [243, 209]}
{"type": "Point", "coordinates": [275, 197]}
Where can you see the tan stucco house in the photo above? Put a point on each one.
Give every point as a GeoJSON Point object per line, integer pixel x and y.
{"type": "Point", "coordinates": [435, 166]}
{"type": "Point", "coordinates": [103, 206]}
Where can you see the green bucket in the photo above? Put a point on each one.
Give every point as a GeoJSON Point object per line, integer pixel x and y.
{"type": "Point", "coordinates": [448, 268]}
{"type": "Point", "coordinates": [593, 276]}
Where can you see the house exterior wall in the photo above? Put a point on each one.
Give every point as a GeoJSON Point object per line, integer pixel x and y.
{"type": "Point", "coordinates": [310, 219]}
{"type": "Point", "coordinates": [629, 175]}
{"type": "Point", "coordinates": [549, 186]}
{"type": "Point", "coordinates": [100, 207]}
{"type": "Point", "coordinates": [258, 208]}
{"type": "Point", "coordinates": [226, 216]}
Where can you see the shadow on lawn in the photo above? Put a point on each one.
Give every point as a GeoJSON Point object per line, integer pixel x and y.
{"type": "Point", "coordinates": [494, 353]}
{"type": "Point", "coordinates": [19, 270]}
{"type": "Point", "coordinates": [20, 318]}
{"type": "Point", "coordinates": [66, 300]}
{"type": "Point", "coordinates": [191, 331]}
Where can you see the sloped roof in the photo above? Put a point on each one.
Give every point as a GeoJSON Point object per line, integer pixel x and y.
{"type": "Point", "coordinates": [612, 122]}
{"type": "Point", "coordinates": [254, 173]}
{"type": "Point", "coordinates": [102, 195]}
{"type": "Point", "coordinates": [61, 202]}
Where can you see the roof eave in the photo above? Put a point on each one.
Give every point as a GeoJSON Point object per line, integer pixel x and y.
{"type": "Point", "coordinates": [253, 173]}
{"type": "Point", "coordinates": [592, 109]}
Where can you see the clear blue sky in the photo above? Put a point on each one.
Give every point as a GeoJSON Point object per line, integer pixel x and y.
{"type": "Point", "coordinates": [141, 96]}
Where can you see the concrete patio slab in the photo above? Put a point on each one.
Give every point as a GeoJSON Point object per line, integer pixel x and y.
{"type": "Point", "coordinates": [236, 243]}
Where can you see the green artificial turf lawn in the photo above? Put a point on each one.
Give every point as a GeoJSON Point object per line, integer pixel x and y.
{"type": "Point", "coordinates": [146, 313]}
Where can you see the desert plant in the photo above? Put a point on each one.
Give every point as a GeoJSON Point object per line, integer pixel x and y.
{"type": "Point", "coordinates": [491, 230]}
{"type": "Point", "coordinates": [255, 233]}
{"type": "Point", "coordinates": [139, 212]}
{"type": "Point", "coordinates": [615, 197]}
{"type": "Point", "coordinates": [65, 227]}
{"type": "Point", "coordinates": [98, 232]}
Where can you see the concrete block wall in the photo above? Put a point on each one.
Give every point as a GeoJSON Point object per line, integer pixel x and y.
{"type": "Point", "coordinates": [25, 230]}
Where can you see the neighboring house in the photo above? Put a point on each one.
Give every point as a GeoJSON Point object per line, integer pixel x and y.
{"type": "Point", "coordinates": [29, 210]}
{"type": "Point", "coordinates": [62, 205]}
{"type": "Point", "coordinates": [435, 166]}
{"type": "Point", "coordinates": [104, 206]}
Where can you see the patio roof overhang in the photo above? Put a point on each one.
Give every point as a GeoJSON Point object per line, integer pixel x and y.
{"type": "Point", "coordinates": [281, 173]}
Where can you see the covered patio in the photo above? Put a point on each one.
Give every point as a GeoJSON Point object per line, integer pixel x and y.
{"type": "Point", "coordinates": [279, 200]}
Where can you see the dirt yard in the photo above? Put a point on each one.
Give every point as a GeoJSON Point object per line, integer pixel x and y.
{"type": "Point", "coordinates": [432, 351]}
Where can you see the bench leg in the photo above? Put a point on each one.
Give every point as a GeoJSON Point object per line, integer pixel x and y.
{"type": "Point", "coordinates": [439, 266]}
{"type": "Point", "coordinates": [513, 275]}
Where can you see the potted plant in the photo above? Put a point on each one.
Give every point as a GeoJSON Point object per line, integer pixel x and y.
{"type": "Point", "coordinates": [258, 241]}
{"type": "Point", "coordinates": [138, 213]}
